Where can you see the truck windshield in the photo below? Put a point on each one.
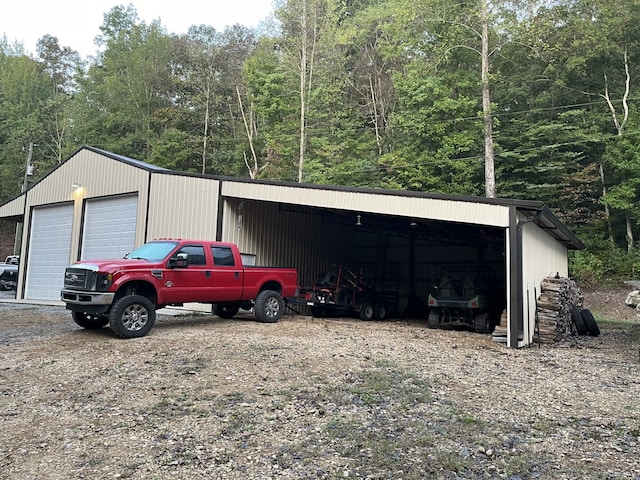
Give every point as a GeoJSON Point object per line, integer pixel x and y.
{"type": "Point", "coordinates": [152, 251]}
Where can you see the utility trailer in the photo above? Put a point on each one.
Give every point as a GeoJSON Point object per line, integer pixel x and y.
{"type": "Point", "coordinates": [343, 292]}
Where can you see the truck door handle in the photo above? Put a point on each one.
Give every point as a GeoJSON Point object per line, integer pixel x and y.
{"type": "Point", "coordinates": [237, 275]}
{"type": "Point", "coordinates": [207, 274]}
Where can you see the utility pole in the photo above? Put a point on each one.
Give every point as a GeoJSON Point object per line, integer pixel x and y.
{"type": "Point", "coordinates": [28, 171]}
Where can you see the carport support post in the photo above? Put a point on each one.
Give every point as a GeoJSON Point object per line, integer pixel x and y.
{"type": "Point", "coordinates": [516, 310]}
{"type": "Point", "coordinates": [515, 273]}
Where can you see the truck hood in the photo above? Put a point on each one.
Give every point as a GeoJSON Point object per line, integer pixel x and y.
{"type": "Point", "coordinates": [113, 265]}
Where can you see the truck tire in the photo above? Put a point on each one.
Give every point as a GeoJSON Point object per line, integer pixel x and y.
{"type": "Point", "coordinates": [590, 322]}
{"type": "Point", "coordinates": [269, 306]}
{"type": "Point", "coordinates": [576, 315]}
{"type": "Point", "coordinates": [367, 312]}
{"type": "Point", "coordinates": [132, 316]}
{"type": "Point", "coordinates": [225, 311]}
{"type": "Point", "coordinates": [90, 321]}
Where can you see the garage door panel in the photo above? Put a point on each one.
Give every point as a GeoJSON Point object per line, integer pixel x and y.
{"type": "Point", "coordinates": [109, 227]}
{"type": "Point", "coordinates": [49, 251]}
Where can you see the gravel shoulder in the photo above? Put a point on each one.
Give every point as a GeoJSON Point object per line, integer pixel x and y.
{"type": "Point", "coordinates": [202, 397]}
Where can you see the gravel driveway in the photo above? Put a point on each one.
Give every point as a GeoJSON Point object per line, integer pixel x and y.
{"type": "Point", "coordinates": [206, 398]}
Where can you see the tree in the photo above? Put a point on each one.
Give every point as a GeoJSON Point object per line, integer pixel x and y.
{"type": "Point", "coordinates": [128, 87]}
{"type": "Point", "coordinates": [24, 90]}
{"type": "Point", "coordinates": [61, 64]}
{"type": "Point", "coordinates": [304, 25]}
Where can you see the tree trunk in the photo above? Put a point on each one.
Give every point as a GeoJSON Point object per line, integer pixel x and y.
{"type": "Point", "coordinates": [303, 82]}
{"type": "Point", "coordinates": [249, 130]}
{"type": "Point", "coordinates": [607, 212]}
{"type": "Point", "coordinates": [630, 240]}
{"type": "Point", "coordinates": [489, 158]}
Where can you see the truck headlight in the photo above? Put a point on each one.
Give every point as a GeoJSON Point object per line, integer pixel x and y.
{"type": "Point", "coordinates": [103, 281]}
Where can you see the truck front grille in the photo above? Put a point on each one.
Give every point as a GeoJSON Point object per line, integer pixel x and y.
{"type": "Point", "coordinates": [79, 279]}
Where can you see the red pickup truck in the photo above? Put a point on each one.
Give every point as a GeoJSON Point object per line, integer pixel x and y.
{"type": "Point", "coordinates": [125, 293]}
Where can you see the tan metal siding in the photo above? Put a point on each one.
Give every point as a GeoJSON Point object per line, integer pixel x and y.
{"type": "Point", "coordinates": [541, 256]}
{"type": "Point", "coordinates": [98, 175]}
{"type": "Point", "coordinates": [13, 208]}
{"type": "Point", "coordinates": [418, 207]}
{"type": "Point", "coordinates": [279, 237]}
{"type": "Point", "coordinates": [183, 207]}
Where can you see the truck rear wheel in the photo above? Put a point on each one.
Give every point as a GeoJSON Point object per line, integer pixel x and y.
{"type": "Point", "coordinates": [225, 311]}
{"type": "Point", "coordinates": [90, 321]}
{"type": "Point", "coordinates": [132, 316]}
{"type": "Point", "coordinates": [269, 306]}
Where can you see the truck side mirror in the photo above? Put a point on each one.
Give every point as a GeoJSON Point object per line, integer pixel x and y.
{"type": "Point", "coordinates": [181, 260]}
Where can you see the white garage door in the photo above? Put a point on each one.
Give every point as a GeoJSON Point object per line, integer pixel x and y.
{"type": "Point", "coordinates": [49, 250]}
{"type": "Point", "coordinates": [109, 227]}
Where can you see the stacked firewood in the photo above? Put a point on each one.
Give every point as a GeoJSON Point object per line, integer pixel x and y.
{"type": "Point", "coordinates": [558, 297]}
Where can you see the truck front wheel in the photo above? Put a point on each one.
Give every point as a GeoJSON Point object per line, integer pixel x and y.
{"type": "Point", "coordinates": [269, 306]}
{"type": "Point", "coordinates": [90, 321]}
{"type": "Point", "coordinates": [132, 316]}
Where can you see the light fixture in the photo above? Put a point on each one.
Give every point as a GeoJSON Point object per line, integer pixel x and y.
{"type": "Point", "coordinates": [76, 185]}
{"type": "Point", "coordinates": [413, 223]}
{"type": "Point", "coordinates": [358, 221]}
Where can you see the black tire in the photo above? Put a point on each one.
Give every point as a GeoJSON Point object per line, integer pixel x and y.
{"type": "Point", "coordinates": [578, 321]}
{"type": "Point", "coordinates": [367, 311]}
{"type": "Point", "coordinates": [379, 311]}
{"type": "Point", "coordinates": [433, 320]}
{"type": "Point", "coordinates": [590, 322]}
{"type": "Point", "coordinates": [482, 322]}
{"type": "Point", "coordinates": [269, 306]}
{"type": "Point", "coordinates": [132, 316]}
{"type": "Point", "coordinates": [90, 321]}
{"type": "Point", "coordinates": [226, 311]}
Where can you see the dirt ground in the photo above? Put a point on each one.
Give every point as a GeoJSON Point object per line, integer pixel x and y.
{"type": "Point", "coordinates": [206, 398]}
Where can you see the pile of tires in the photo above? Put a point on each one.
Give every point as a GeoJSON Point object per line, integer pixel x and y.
{"type": "Point", "coordinates": [585, 322]}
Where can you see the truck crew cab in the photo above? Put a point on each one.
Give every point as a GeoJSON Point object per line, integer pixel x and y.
{"type": "Point", "coordinates": [125, 293]}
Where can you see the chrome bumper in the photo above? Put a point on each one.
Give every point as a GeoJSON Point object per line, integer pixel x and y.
{"type": "Point", "coordinates": [78, 297]}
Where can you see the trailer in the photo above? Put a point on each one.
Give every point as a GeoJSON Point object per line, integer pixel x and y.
{"type": "Point", "coordinates": [343, 292]}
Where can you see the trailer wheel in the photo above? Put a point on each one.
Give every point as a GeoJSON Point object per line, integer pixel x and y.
{"type": "Point", "coordinates": [225, 311]}
{"type": "Point", "coordinates": [132, 316]}
{"type": "Point", "coordinates": [379, 311]}
{"type": "Point", "coordinates": [433, 320]}
{"type": "Point", "coordinates": [269, 306]}
{"type": "Point", "coordinates": [366, 311]}
{"type": "Point", "coordinates": [481, 322]}
{"type": "Point", "coordinates": [90, 321]}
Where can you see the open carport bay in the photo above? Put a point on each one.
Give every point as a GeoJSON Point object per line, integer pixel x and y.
{"type": "Point", "coordinates": [403, 259]}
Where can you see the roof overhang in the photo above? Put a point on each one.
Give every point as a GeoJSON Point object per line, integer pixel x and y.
{"type": "Point", "coordinates": [461, 209]}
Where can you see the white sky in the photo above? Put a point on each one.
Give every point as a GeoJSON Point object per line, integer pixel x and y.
{"type": "Point", "coordinates": [77, 22]}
